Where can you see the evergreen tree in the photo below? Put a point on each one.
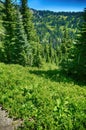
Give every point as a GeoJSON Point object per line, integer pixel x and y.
{"type": "Point", "coordinates": [66, 42]}
{"type": "Point", "coordinates": [16, 46]}
{"type": "Point", "coordinates": [46, 53]}
{"type": "Point", "coordinates": [75, 63]}
{"type": "Point", "coordinates": [9, 24]}
{"type": "Point", "coordinates": [32, 37]}
{"type": "Point", "coordinates": [21, 46]}
{"type": "Point", "coordinates": [27, 22]}
{"type": "Point", "coordinates": [38, 61]}
{"type": "Point", "coordinates": [50, 52]}
{"type": "Point", "coordinates": [65, 48]}
{"type": "Point", "coordinates": [58, 52]}
{"type": "Point", "coordinates": [80, 46]}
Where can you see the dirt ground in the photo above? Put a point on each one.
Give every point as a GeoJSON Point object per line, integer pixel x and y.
{"type": "Point", "coordinates": [7, 123]}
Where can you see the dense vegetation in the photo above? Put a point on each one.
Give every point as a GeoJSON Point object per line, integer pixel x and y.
{"type": "Point", "coordinates": [51, 26]}
{"type": "Point", "coordinates": [75, 62]}
{"type": "Point", "coordinates": [19, 40]}
{"type": "Point", "coordinates": [53, 29]}
{"type": "Point", "coordinates": [45, 99]}
{"type": "Point", "coordinates": [52, 96]}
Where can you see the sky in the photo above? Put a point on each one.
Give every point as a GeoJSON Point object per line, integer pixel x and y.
{"type": "Point", "coordinates": [58, 5]}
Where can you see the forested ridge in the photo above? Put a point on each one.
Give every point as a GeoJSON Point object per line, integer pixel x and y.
{"type": "Point", "coordinates": [43, 67]}
{"type": "Point", "coordinates": [51, 25]}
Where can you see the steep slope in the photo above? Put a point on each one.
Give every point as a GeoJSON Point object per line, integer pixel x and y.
{"type": "Point", "coordinates": [51, 26]}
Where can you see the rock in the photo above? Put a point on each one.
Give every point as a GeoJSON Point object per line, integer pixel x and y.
{"type": "Point", "coordinates": [7, 123]}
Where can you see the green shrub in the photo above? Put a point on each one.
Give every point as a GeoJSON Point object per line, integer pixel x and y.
{"type": "Point", "coordinates": [43, 99]}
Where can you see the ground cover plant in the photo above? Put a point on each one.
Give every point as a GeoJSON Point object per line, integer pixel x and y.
{"type": "Point", "coordinates": [43, 98]}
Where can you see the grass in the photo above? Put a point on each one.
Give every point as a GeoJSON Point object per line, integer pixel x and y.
{"type": "Point", "coordinates": [44, 98]}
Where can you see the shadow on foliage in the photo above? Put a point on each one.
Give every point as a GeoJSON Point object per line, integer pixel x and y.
{"type": "Point", "coordinates": [53, 75]}
{"type": "Point", "coordinates": [57, 76]}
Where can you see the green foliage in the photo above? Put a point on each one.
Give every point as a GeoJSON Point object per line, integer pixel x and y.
{"type": "Point", "coordinates": [21, 45]}
{"type": "Point", "coordinates": [50, 25]}
{"type": "Point", "coordinates": [9, 25]}
{"type": "Point", "coordinates": [27, 22]}
{"type": "Point", "coordinates": [20, 41]}
{"type": "Point", "coordinates": [37, 58]}
{"type": "Point", "coordinates": [34, 58]}
{"type": "Point", "coordinates": [81, 50]}
{"type": "Point", "coordinates": [44, 99]}
{"type": "Point", "coordinates": [15, 43]}
{"type": "Point", "coordinates": [75, 63]}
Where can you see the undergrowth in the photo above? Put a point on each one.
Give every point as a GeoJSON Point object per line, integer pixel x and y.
{"type": "Point", "coordinates": [43, 98]}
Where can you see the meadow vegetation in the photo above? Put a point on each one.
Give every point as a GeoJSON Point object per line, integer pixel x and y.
{"type": "Point", "coordinates": [43, 98]}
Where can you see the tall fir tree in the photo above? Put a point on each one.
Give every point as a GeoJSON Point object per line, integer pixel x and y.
{"type": "Point", "coordinates": [46, 53]}
{"type": "Point", "coordinates": [27, 22]}
{"type": "Point", "coordinates": [65, 49]}
{"type": "Point", "coordinates": [16, 46]}
{"type": "Point", "coordinates": [80, 56]}
{"type": "Point", "coordinates": [75, 63]}
{"type": "Point", "coordinates": [32, 37]}
{"type": "Point", "coordinates": [9, 24]}
{"type": "Point", "coordinates": [21, 46]}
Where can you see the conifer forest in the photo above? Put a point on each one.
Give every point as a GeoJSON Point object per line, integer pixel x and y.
{"type": "Point", "coordinates": [42, 67]}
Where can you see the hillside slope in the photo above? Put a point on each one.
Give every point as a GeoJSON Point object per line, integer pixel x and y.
{"type": "Point", "coordinates": [51, 26]}
{"type": "Point", "coordinates": [45, 99]}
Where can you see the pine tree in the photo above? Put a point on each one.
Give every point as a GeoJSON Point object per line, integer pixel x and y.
{"type": "Point", "coordinates": [21, 46]}
{"type": "Point", "coordinates": [58, 52]}
{"type": "Point", "coordinates": [80, 49]}
{"type": "Point", "coordinates": [66, 42]}
{"type": "Point", "coordinates": [38, 61]}
{"type": "Point", "coordinates": [51, 53]}
{"type": "Point", "coordinates": [65, 48]}
{"type": "Point", "coordinates": [16, 46]}
{"type": "Point", "coordinates": [27, 22]}
{"type": "Point", "coordinates": [46, 53]}
{"type": "Point", "coordinates": [75, 63]}
{"type": "Point", "coordinates": [32, 37]}
{"type": "Point", "coordinates": [9, 24]}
